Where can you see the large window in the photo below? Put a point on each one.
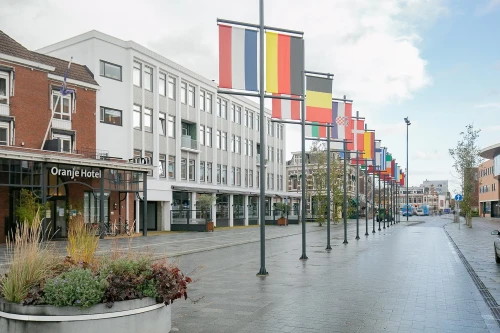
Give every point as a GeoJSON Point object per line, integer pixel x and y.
{"type": "Point", "coordinates": [250, 148]}
{"type": "Point", "coordinates": [137, 74]}
{"type": "Point", "coordinates": [4, 134]}
{"type": "Point", "coordinates": [171, 167]}
{"type": "Point", "coordinates": [236, 114]}
{"type": "Point", "coordinates": [171, 87]}
{"type": "Point", "coordinates": [137, 117]}
{"type": "Point", "coordinates": [238, 145]}
{"type": "Point", "coordinates": [250, 178]}
{"type": "Point", "coordinates": [183, 92]}
{"type": "Point", "coordinates": [162, 123]}
{"type": "Point", "coordinates": [208, 134]}
{"type": "Point", "coordinates": [238, 176]}
{"type": "Point", "coordinates": [218, 173]}
{"type": "Point", "coordinates": [217, 140]}
{"type": "Point", "coordinates": [171, 126]}
{"type": "Point", "coordinates": [202, 135]}
{"type": "Point", "coordinates": [202, 100]}
{"type": "Point", "coordinates": [111, 71]}
{"type": "Point", "coordinates": [92, 207]}
{"type": "Point", "coordinates": [223, 111]}
{"type": "Point", "coordinates": [232, 175]}
{"type": "Point", "coordinates": [4, 88]}
{"type": "Point", "coordinates": [192, 173]}
{"type": "Point", "coordinates": [163, 166]}
{"type": "Point", "coordinates": [202, 171]}
{"type": "Point", "coordinates": [191, 95]}
{"type": "Point", "coordinates": [148, 120]}
{"type": "Point", "coordinates": [61, 105]}
{"type": "Point", "coordinates": [162, 84]}
{"type": "Point", "coordinates": [224, 174]}
{"type": "Point", "coordinates": [224, 141]}
{"type": "Point", "coordinates": [208, 103]}
{"type": "Point", "coordinates": [148, 78]}
{"type": "Point", "coordinates": [65, 142]}
{"type": "Point", "coordinates": [111, 116]}
{"type": "Point", "coordinates": [183, 168]}
{"type": "Point", "coordinates": [250, 119]}
{"type": "Point", "coordinates": [209, 172]}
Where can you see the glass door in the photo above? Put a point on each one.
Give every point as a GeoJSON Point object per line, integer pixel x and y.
{"type": "Point", "coordinates": [59, 218]}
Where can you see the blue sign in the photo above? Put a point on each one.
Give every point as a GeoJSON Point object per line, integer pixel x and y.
{"type": "Point", "coordinates": [458, 197]}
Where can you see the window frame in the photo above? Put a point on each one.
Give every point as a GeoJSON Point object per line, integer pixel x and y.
{"type": "Point", "coordinates": [192, 170]}
{"type": "Point", "coordinates": [136, 70]}
{"type": "Point", "coordinates": [202, 99]}
{"type": "Point", "coordinates": [5, 76]}
{"type": "Point", "coordinates": [102, 116]}
{"type": "Point", "coordinates": [202, 134]}
{"type": "Point", "coordinates": [171, 120]}
{"type": "Point", "coordinates": [148, 113]}
{"type": "Point", "coordinates": [171, 161]}
{"type": "Point", "coordinates": [162, 123]}
{"type": "Point", "coordinates": [5, 126]}
{"type": "Point", "coordinates": [184, 168]}
{"type": "Point", "coordinates": [56, 93]}
{"type": "Point", "coordinates": [163, 164]}
{"type": "Point", "coordinates": [102, 70]}
{"type": "Point", "coordinates": [202, 171]}
{"type": "Point", "coordinates": [135, 112]}
{"type": "Point", "coordinates": [150, 81]}
{"type": "Point", "coordinates": [184, 92]}
{"type": "Point", "coordinates": [224, 141]}
{"type": "Point", "coordinates": [209, 172]}
{"type": "Point", "coordinates": [172, 86]}
{"type": "Point", "coordinates": [191, 96]}
{"type": "Point", "coordinates": [208, 102]}
{"type": "Point", "coordinates": [62, 138]}
{"type": "Point", "coordinates": [208, 136]}
{"type": "Point", "coordinates": [162, 77]}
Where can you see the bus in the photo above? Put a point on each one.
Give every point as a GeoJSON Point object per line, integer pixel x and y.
{"type": "Point", "coordinates": [425, 209]}
{"type": "Point", "coordinates": [407, 210]}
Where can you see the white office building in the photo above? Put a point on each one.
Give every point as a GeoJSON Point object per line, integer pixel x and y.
{"type": "Point", "coordinates": [198, 141]}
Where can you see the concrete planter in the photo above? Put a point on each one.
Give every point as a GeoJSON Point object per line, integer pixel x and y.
{"type": "Point", "coordinates": [141, 315]}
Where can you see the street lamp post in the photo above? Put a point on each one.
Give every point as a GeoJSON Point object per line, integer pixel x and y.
{"type": "Point", "coordinates": [408, 123]}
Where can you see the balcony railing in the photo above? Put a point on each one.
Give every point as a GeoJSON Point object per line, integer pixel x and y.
{"type": "Point", "coordinates": [188, 142]}
{"type": "Point", "coordinates": [61, 124]}
{"type": "Point", "coordinates": [4, 110]}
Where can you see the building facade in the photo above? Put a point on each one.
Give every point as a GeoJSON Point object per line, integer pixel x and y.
{"type": "Point", "coordinates": [488, 190]}
{"type": "Point", "coordinates": [48, 144]}
{"type": "Point", "coordinates": [198, 142]}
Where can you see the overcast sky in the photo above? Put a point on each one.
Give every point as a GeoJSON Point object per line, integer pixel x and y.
{"type": "Point", "coordinates": [436, 61]}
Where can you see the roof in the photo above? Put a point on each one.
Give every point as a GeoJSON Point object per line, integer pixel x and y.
{"type": "Point", "coordinates": [490, 152]}
{"type": "Point", "coordinates": [77, 72]}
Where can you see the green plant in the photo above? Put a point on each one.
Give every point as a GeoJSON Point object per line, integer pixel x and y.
{"type": "Point", "coordinates": [28, 207]}
{"type": "Point", "coordinates": [82, 242]}
{"type": "Point", "coordinates": [30, 261]}
{"type": "Point", "coordinates": [171, 283]}
{"type": "Point", "coordinates": [77, 287]}
{"type": "Point", "coordinates": [204, 203]}
{"type": "Point", "coordinates": [283, 208]}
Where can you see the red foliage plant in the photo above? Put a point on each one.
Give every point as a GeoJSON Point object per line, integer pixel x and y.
{"type": "Point", "coordinates": [171, 282]}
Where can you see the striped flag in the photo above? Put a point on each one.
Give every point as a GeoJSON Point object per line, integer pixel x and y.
{"type": "Point", "coordinates": [378, 155]}
{"type": "Point", "coordinates": [285, 108]}
{"type": "Point", "coordinates": [342, 118]}
{"type": "Point", "coordinates": [358, 138]}
{"type": "Point", "coordinates": [316, 131]}
{"type": "Point", "coordinates": [284, 63]}
{"type": "Point", "coordinates": [388, 164]}
{"type": "Point", "coordinates": [237, 58]}
{"type": "Point", "coordinates": [369, 144]}
{"type": "Point", "coordinates": [319, 99]}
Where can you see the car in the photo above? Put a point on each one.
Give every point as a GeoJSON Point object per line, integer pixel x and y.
{"type": "Point", "coordinates": [496, 246]}
{"type": "Point", "coordinates": [420, 212]}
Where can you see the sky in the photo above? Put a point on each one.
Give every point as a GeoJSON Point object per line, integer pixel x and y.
{"type": "Point", "coordinates": [435, 61]}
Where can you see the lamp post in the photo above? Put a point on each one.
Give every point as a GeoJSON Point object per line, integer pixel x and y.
{"type": "Point", "coordinates": [408, 123]}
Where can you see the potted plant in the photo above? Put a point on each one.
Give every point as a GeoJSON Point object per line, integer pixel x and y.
{"type": "Point", "coordinates": [283, 208]}
{"type": "Point", "coordinates": [204, 204]}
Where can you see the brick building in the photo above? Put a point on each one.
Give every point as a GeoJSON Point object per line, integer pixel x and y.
{"type": "Point", "coordinates": [48, 143]}
{"type": "Point", "coordinates": [488, 190]}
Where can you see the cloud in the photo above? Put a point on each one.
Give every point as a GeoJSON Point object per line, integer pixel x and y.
{"type": "Point", "coordinates": [487, 106]}
{"type": "Point", "coordinates": [493, 128]}
{"type": "Point", "coordinates": [427, 155]}
{"type": "Point", "coordinates": [488, 7]}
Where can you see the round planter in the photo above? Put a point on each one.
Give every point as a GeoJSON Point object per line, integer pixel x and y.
{"type": "Point", "coordinates": [140, 315]}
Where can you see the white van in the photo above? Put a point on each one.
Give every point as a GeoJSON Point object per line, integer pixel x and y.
{"type": "Point", "coordinates": [420, 212]}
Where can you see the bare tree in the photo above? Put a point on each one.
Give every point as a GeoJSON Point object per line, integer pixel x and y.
{"type": "Point", "coordinates": [466, 159]}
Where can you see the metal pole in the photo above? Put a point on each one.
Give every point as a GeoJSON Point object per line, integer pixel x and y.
{"type": "Point", "coordinates": [44, 201]}
{"type": "Point", "coordinates": [303, 121]}
{"type": "Point", "coordinates": [328, 189]}
{"type": "Point", "coordinates": [379, 193]}
{"type": "Point", "coordinates": [145, 203]}
{"type": "Point", "coordinates": [357, 197]}
{"type": "Point", "coordinates": [345, 192]}
{"type": "Point", "coordinates": [393, 219]}
{"type": "Point", "coordinates": [101, 206]}
{"type": "Point", "coordinates": [373, 198]}
{"type": "Point", "coordinates": [406, 175]}
{"type": "Point", "coordinates": [262, 201]}
{"type": "Point", "coordinates": [366, 197]}
{"type": "Point", "coordinates": [385, 206]}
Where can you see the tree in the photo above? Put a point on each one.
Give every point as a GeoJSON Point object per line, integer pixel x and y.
{"type": "Point", "coordinates": [28, 207]}
{"type": "Point", "coordinates": [466, 159]}
{"type": "Point", "coordinates": [204, 203]}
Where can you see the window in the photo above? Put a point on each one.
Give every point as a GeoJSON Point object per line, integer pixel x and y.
{"type": "Point", "coordinates": [191, 96]}
{"type": "Point", "coordinates": [233, 141]}
{"type": "Point", "coordinates": [65, 142]}
{"type": "Point", "coordinates": [111, 71]}
{"type": "Point", "coordinates": [218, 173]}
{"type": "Point", "coordinates": [236, 114]}
{"type": "Point", "coordinates": [267, 181]}
{"type": "Point", "coordinates": [257, 179]}
{"type": "Point", "coordinates": [202, 135]}
{"type": "Point", "coordinates": [148, 78]}
{"type": "Point", "coordinates": [162, 123]}
{"type": "Point", "coordinates": [257, 122]}
{"type": "Point", "coordinates": [250, 119]}
{"type": "Point", "coordinates": [232, 175]}
{"type": "Point", "coordinates": [202, 100]}
{"type": "Point", "coordinates": [162, 170]}
{"type": "Point", "coordinates": [238, 145]}
{"type": "Point", "coordinates": [183, 168]}
{"type": "Point", "coordinates": [191, 170]}
{"type": "Point", "coordinates": [238, 176]}
{"type": "Point", "coordinates": [149, 155]}
{"type": "Point", "coordinates": [4, 88]}
{"type": "Point", "coordinates": [250, 178]}
{"type": "Point", "coordinates": [250, 148]}
{"type": "Point", "coordinates": [162, 84]}
{"type": "Point", "coordinates": [208, 103]}
{"type": "Point", "coordinates": [171, 87]}
{"type": "Point", "coordinates": [218, 106]}
{"type": "Point", "coordinates": [209, 172]}
{"type": "Point", "coordinates": [245, 148]}
{"type": "Point", "coordinates": [224, 174]}
{"type": "Point", "coordinates": [217, 140]}
{"type": "Point", "coordinates": [185, 128]}
{"type": "Point", "coordinates": [171, 126]}
{"type": "Point", "coordinates": [270, 128]}
{"type": "Point", "coordinates": [272, 181]}
{"type": "Point", "coordinates": [61, 105]}
{"type": "Point", "coordinates": [4, 134]}
{"type": "Point", "coordinates": [246, 177]}
{"type": "Point", "coordinates": [148, 120]}
{"type": "Point", "coordinates": [171, 167]}
{"type": "Point", "coordinates": [224, 141]}
{"type": "Point", "coordinates": [137, 117]}
{"type": "Point", "coordinates": [183, 92]}
{"type": "Point", "coordinates": [223, 111]}
{"type": "Point", "coordinates": [272, 154]}
{"type": "Point", "coordinates": [245, 118]}
{"type": "Point", "coordinates": [137, 74]}
{"type": "Point", "coordinates": [208, 139]}
{"type": "Point", "coordinates": [202, 171]}
{"type": "Point", "coordinates": [111, 116]}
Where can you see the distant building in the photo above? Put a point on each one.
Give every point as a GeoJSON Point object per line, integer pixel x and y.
{"type": "Point", "coordinates": [488, 190]}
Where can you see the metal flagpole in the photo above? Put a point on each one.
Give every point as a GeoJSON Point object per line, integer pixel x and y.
{"type": "Point", "coordinates": [262, 201]}
{"type": "Point", "coordinates": [345, 192]}
{"type": "Point", "coordinates": [366, 196]}
{"type": "Point", "coordinates": [373, 197]}
{"type": "Point", "coordinates": [392, 202]}
{"type": "Point", "coordinates": [357, 196]}
{"type": "Point", "coordinates": [385, 206]}
{"type": "Point", "coordinates": [303, 187]}
{"type": "Point", "coordinates": [328, 189]}
{"type": "Point", "coordinates": [379, 193]}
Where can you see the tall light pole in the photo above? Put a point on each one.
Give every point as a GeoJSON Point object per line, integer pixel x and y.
{"type": "Point", "coordinates": [408, 123]}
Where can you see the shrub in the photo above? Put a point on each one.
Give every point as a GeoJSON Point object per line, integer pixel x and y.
{"type": "Point", "coordinates": [30, 261]}
{"type": "Point", "coordinates": [171, 283]}
{"type": "Point", "coordinates": [77, 287]}
{"type": "Point", "coordinates": [82, 242]}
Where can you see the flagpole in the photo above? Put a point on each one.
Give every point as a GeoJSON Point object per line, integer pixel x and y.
{"type": "Point", "coordinates": [262, 271]}
{"type": "Point", "coordinates": [345, 192]}
{"type": "Point", "coordinates": [385, 206]}
{"type": "Point", "coordinates": [366, 196]}
{"type": "Point", "coordinates": [373, 193]}
{"type": "Point", "coordinates": [379, 193]}
{"type": "Point", "coordinates": [303, 187]}
{"type": "Point", "coordinates": [328, 189]}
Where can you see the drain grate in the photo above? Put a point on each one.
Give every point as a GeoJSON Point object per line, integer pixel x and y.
{"type": "Point", "coordinates": [485, 293]}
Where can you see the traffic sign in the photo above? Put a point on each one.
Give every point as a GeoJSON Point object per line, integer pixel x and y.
{"type": "Point", "coordinates": [458, 197]}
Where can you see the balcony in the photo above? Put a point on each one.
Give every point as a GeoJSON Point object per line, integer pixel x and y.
{"type": "Point", "coordinates": [61, 124]}
{"type": "Point", "coordinates": [4, 110]}
{"type": "Point", "coordinates": [187, 143]}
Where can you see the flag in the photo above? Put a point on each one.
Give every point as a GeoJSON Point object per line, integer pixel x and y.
{"type": "Point", "coordinates": [358, 131]}
{"type": "Point", "coordinates": [396, 172]}
{"type": "Point", "coordinates": [403, 179]}
{"type": "Point", "coordinates": [342, 118]}
{"type": "Point", "coordinates": [388, 164]}
{"type": "Point", "coordinates": [284, 64]}
{"type": "Point", "coordinates": [378, 155]}
{"type": "Point", "coordinates": [286, 108]}
{"type": "Point", "coordinates": [369, 144]}
{"type": "Point", "coordinates": [319, 99]}
{"type": "Point", "coordinates": [393, 167]}
{"type": "Point", "coordinates": [237, 58]}
{"type": "Point", "coordinates": [316, 131]}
